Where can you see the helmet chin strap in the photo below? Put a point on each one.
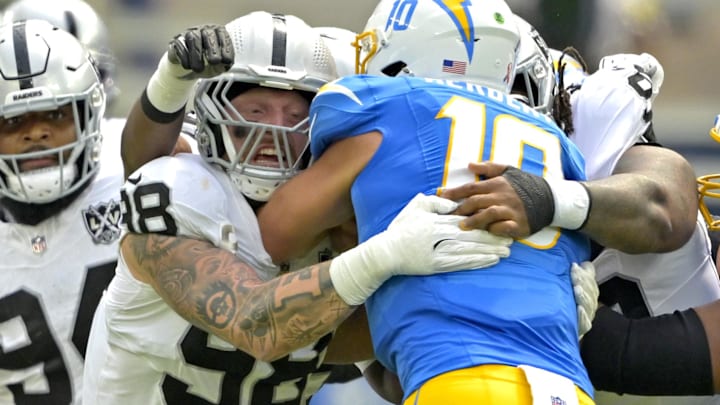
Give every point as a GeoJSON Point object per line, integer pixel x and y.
{"type": "Point", "coordinates": [255, 188]}
{"type": "Point", "coordinates": [42, 185]}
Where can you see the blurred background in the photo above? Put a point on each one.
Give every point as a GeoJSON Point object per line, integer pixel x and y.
{"type": "Point", "coordinates": [683, 35]}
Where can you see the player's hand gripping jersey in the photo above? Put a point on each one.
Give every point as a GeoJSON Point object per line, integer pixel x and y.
{"type": "Point", "coordinates": [518, 312]}
{"type": "Point", "coordinates": [611, 113]}
{"type": "Point", "coordinates": [141, 351]}
{"type": "Point", "coordinates": [51, 280]}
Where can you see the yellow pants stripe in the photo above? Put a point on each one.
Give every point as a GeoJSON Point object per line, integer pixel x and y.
{"type": "Point", "coordinates": [489, 384]}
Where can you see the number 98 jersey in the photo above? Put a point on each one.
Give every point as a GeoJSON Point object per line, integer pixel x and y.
{"type": "Point", "coordinates": [141, 351]}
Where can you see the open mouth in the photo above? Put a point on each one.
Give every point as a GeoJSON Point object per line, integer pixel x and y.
{"type": "Point", "coordinates": [267, 157]}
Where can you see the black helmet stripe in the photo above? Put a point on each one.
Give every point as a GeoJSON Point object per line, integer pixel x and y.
{"type": "Point", "coordinates": [279, 48]}
{"type": "Point", "coordinates": [71, 23]}
{"type": "Point", "coordinates": [22, 57]}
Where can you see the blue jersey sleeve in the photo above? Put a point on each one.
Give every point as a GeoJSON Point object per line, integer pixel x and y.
{"type": "Point", "coordinates": [343, 108]}
{"type": "Point", "coordinates": [573, 161]}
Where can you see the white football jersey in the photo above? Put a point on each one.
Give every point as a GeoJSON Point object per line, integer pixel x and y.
{"type": "Point", "coordinates": [141, 351]}
{"type": "Point", "coordinates": [51, 278]}
{"type": "Point", "coordinates": [611, 113]}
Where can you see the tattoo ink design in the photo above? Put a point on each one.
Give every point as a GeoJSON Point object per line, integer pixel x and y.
{"type": "Point", "coordinates": [175, 283]}
{"type": "Point", "coordinates": [217, 306]}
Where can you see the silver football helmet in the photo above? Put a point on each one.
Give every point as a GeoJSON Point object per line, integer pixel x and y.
{"type": "Point", "coordinates": [272, 50]}
{"type": "Point", "coordinates": [78, 18]}
{"type": "Point", "coordinates": [340, 41]}
{"type": "Point", "coordinates": [534, 74]}
{"type": "Point", "coordinates": [475, 42]}
{"type": "Point", "coordinates": [44, 68]}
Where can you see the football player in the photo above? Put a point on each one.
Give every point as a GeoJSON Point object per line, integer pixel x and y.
{"type": "Point", "coordinates": [59, 211]}
{"type": "Point", "coordinates": [643, 211]}
{"type": "Point", "coordinates": [379, 140]}
{"type": "Point", "coordinates": [198, 312]}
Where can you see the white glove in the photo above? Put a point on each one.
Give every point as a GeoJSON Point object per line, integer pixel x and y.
{"type": "Point", "coordinates": [644, 63]}
{"type": "Point", "coordinates": [199, 52]}
{"type": "Point", "coordinates": [419, 241]}
{"type": "Point", "coordinates": [586, 292]}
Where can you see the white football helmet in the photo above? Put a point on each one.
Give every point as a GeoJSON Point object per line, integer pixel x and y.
{"type": "Point", "coordinates": [78, 18]}
{"type": "Point", "coordinates": [273, 50]}
{"type": "Point", "coordinates": [340, 41]}
{"type": "Point", "coordinates": [475, 42]}
{"type": "Point", "coordinates": [44, 68]}
{"type": "Point", "coordinates": [534, 74]}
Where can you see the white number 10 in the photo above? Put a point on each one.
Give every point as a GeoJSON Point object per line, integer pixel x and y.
{"type": "Point", "coordinates": [512, 142]}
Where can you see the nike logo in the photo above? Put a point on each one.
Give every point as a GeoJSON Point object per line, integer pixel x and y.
{"type": "Point", "coordinates": [135, 180]}
{"type": "Point", "coordinates": [435, 246]}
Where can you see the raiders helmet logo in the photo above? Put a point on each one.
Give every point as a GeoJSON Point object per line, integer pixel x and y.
{"type": "Point", "coordinates": [102, 221]}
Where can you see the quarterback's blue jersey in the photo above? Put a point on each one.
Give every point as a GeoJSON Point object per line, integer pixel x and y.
{"type": "Point", "coordinates": [520, 311]}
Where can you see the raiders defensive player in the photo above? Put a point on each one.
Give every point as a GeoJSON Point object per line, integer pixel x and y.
{"type": "Point", "coordinates": [194, 282]}
{"type": "Point", "coordinates": [59, 211]}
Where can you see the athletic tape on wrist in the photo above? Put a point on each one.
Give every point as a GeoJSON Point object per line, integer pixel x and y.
{"type": "Point", "coordinates": [156, 115]}
{"type": "Point", "coordinates": [166, 91]}
{"type": "Point", "coordinates": [572, 203]}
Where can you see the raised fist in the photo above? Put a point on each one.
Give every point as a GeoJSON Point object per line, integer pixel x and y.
{"type": "Point", "coordinates": [205, 51]}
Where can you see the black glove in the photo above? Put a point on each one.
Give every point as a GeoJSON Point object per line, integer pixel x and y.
{"type": "Point", "coordinates": [206, 51]}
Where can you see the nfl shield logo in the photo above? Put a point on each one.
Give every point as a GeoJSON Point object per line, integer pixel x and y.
{"type": "Point", "coordinates": [102, 221]}
{"type": "Point", "coordinates": [556, 401]}
{"type": "Point", "coordinates": [38, 244]}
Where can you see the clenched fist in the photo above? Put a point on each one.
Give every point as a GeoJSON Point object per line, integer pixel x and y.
{"type": "Point", "coordinates": [203, 52]}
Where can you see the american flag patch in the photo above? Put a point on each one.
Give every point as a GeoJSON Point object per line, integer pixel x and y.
{"type": "Point", "coordinates": [454, 66]}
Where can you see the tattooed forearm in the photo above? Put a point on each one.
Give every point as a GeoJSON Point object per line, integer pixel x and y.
{"type": "Point", "coordinates": [217, 306]}
{"type": "Point", "coordinates": [174, 282]}
{"type": "Point", "coordinates": [213, 289]}
{"type": "Point", "coordinates": [151, 247]}
{"type": "Point", "coordinates": [293, 310]}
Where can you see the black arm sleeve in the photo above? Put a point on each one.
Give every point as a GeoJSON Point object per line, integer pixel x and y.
{"type": "Point", "coordinates": [663, 355]}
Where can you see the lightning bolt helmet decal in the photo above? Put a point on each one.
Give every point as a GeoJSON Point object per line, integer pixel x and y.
{"type": "Point", "coordinates": [460, 15]}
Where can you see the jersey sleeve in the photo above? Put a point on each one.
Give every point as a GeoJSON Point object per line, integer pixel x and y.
{"type": "Point", "coordinates": [343, 108]}
{"type": "Point", "coordinates": [611, 112]}
{"type": "Point", "coordinates": [175, 196]}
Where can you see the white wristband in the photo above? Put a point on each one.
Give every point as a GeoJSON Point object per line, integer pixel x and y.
{"type": "Point", "coordinates": [572, 203]}
{"type": "Point", "coordinates": [165, 90]}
